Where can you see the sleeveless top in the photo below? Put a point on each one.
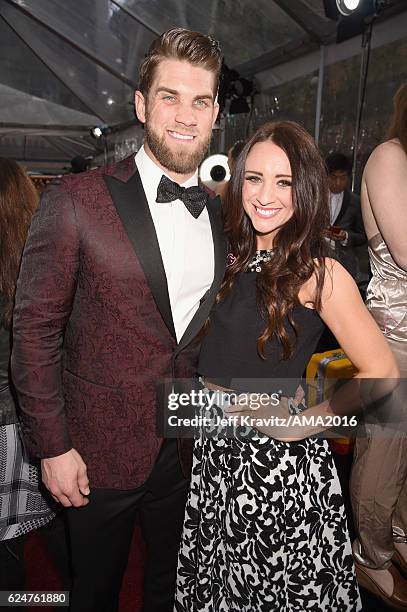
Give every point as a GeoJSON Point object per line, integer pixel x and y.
{"type": "Point", "coordinates": [229, 354]}
{"type": "Point", "coordinates": [386, 296]}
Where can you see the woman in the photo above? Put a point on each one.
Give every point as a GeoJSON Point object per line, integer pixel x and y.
{"type": "Point", "coordinates": [22, 506]}
{"type": "Point", "coordinates": [265, 528]}
{"type": "Point", "coordinates": [379, 497]}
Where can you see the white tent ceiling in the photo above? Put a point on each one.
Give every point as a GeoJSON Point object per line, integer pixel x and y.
{"type": "Point", "coordinates": [67, 66]}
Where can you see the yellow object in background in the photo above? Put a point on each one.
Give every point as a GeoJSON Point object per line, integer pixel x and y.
{"type": "Point", "coordinates": [324, 370]}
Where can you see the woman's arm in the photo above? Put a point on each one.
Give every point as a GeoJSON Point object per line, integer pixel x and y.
{"type": "Point", "coordinates": [385, 177]}
{"type": "Point", "coordinates": [345, 314]}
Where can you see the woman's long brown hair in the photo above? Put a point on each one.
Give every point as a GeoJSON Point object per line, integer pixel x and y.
{"type": "Point", "coordinates": [299, 246]}
{"type": "Point", "coordinates": [18, 201]}
{"type": "Point", "coordinates": [398, 125]}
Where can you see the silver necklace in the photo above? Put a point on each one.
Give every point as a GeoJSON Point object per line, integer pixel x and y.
{"type": "Point", "coordinates": [263, 256]}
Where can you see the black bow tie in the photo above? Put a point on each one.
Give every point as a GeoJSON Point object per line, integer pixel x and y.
{"type": "Point", "coordinates": [194, 198]}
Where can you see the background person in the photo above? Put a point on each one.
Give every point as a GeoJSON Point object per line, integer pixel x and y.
{"type": "Point", "coordinates": [22, 504]}
{"type": "Point", "coordinates": [379, 475]}
{"type": "Point", "coordinates": [347, 233]}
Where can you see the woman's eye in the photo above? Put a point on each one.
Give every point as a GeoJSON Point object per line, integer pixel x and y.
{"type": "Point", "coordinates": [253, 179]}
{"type": "Point", "coordinates": [285, 183]}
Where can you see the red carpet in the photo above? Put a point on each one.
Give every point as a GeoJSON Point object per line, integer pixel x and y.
{"type": "Point", "coordinates": [41, 575]}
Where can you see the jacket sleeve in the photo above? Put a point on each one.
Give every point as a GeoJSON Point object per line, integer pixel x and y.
{"type": "Point", "coordinates": [45, 292]}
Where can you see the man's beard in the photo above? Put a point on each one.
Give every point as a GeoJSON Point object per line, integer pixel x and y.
{"type": "Point", "coordinates": [182, 161]}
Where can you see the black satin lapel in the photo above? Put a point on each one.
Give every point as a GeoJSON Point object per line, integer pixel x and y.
{"type": "Point", "coordinates": [344, 207]}
{"type": "Point", "coordinates": [132, 207]}
{"type": "Point", "coordinates": [220, 254]}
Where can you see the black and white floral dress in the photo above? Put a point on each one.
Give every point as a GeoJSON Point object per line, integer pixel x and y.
{"type": "Point", "coordinates": [265, 526]}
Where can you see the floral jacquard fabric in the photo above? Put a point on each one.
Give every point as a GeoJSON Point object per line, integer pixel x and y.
{"type": "Point", "coordinates": [265, 530]}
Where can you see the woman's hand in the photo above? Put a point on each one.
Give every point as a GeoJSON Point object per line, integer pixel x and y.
{"type": "Point", "coordinates": [268, 415]}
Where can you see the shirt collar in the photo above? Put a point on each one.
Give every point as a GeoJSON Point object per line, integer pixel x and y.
{"type": "Point", "coordinates": [148, 168]}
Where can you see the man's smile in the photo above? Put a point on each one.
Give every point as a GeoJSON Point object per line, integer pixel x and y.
{"type": "Point", "coordinates": [179, 136]}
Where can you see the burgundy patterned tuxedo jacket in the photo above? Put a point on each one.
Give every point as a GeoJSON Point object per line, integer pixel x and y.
{"type": "Point", "coordinates": [93, 330]}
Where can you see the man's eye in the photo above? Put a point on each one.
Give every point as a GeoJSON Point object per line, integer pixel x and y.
{"type": "Point", "coordinates": [169, 98]}
{"type": "Point", "coordinates": [201, 102]}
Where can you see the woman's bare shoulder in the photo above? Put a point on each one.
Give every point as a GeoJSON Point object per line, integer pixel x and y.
{"type": "Point", "coordinates": [332, 269]}
{"type": "Point", "coordinates": [386, 154]}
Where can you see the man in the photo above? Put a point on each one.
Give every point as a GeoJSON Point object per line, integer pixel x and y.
{"type": "Point", "coordinates": [118, 276]}
{"type": "Point", "coordinates": [347, 232]}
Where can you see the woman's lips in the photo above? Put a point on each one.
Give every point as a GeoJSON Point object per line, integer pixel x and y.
{"type": "Point", "coordinates": [266, 213]}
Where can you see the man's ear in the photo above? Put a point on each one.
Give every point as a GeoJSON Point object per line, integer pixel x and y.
{"type": "Point", "coordinates": [140, 106]}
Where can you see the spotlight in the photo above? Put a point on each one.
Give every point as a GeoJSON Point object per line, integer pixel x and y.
{"type": "Point", "coordinates": [98, 131]}
{"type": "Point", "coordinates": [347, 7]}
{"type": "Point", "coordinates": [338, 9]}
{"type": "Point", "coordinates": [214, 170]}
{"type": "Point", "coordinates": [354, 16]}
{"type": "Point", "coordinates": [218, 173]}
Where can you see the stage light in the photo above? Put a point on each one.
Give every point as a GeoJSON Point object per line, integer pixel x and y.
{"type": "Point", "coordinates": [357, 10]}
{"type": "Point", "coordinates": [218, 173]}
{"type": "Point", "coordinates": [214, 170]}
{"type": "Point", "coordinates": [347, 7]}
{"type": "Point", "coordinates": [98, 131]}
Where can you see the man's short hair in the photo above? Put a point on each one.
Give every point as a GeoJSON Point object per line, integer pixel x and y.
{"type": "Point", "coordinates": [338, 161]}
{"type": "Point", "coordinates": [181, 44]}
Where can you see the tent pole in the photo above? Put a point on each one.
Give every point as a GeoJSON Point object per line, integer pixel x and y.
{"type": "Point", "coordinates": [319, 92]}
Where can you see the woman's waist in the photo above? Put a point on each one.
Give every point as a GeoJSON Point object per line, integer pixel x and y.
{"type": "Point", "coordinates": [283, 387]}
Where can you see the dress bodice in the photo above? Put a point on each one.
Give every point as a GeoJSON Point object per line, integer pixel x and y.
{"type": "Point", "coordinates": [387, 291]}
{"type": "Point", "coordinates": [229, 354]}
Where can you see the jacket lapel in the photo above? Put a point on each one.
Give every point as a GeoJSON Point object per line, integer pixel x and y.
{"type": "Point", "coordinates": [220, 253]}
{"type": "Point", "coordinates": [344, 207]}
{"type": "Point", "coordinates": [125, 187]}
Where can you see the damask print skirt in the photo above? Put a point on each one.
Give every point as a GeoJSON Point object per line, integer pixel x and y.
{"type": "Point", "coordinates": [265, 530]}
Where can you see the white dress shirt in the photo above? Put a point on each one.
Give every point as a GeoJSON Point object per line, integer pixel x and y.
{"type": "Point", "coordinates": [186, 245]}
{"type": "Point", "coordinates": [335, 205]}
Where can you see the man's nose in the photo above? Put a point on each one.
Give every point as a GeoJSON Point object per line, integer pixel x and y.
{"type": "Point", "coordinates": [186, 115]}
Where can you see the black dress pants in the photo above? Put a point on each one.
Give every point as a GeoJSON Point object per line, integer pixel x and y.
{"type": "Point", "coordinates": [101, 534]}
{"type": "Point", "coordinates": [12, 564]}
